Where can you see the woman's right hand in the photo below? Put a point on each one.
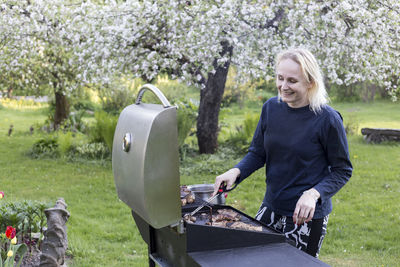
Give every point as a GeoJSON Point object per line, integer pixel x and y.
{"type": "Point", "coordinates": [229, 177]}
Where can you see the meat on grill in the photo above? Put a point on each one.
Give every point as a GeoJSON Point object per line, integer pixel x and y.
{"type": "Point", "coordinates": [229, 214]}
{"type": "Point", "coordinates": [187, 197]}
{"type": "Point", "coordinates": [223, 217]}
{"type": "Point", "coordinates": [189, 218]}
{"type": "Point", "coordinates": [245, 226]}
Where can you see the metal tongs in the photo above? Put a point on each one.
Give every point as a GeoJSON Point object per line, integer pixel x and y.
{"type": "Point", "coordinates": [222, 189]}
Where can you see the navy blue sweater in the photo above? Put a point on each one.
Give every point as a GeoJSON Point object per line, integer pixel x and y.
{"type": "Point", "coordinates": [301, 150]}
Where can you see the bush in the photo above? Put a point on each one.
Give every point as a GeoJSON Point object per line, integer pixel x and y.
{"type": "Point", "coordinates": [90, 151]}
{"type": "Point", "coordinates": [45, 147]}
{"type": "Point", "coordinates": [209, 164]}
{"type": "Point", "coordinates": [84, 105]}
{"type": "Point", "coordinates": [103, 129]}
{"type": "Point", "coordinates": [351, 124]}
{"type": "Point", "coordinates": [186, 115]}
{"type": "Point", "coordinates": [65, 142]}
{"type": "Point", "coordinates": [118, 94]}
{"type": "Point", "coordinates": [252, 90]}
{"type": "Point", "coordinates": [264, 95]}
{"type": "Point", "coordinates": [75, 122]}
{"type": "Point", "coordinates": [241, 137]}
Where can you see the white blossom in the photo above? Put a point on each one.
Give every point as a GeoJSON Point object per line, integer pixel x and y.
{"type": "Point", "coordinates": [353, 40]}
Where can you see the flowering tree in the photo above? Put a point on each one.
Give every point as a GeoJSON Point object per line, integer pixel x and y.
{"type": "Point", "coordinates": [36, 51]}
{"type": "Point", "coordinates": [196, 42]}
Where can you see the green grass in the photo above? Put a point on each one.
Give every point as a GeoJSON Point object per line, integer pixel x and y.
{"type": "Point", "coordinates": [363, 229]}
{"type": "Point", "coordinates": [379, 114]}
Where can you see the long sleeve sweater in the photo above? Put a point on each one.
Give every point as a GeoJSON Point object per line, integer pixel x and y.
{"type": "Point", "coordinates": [301, 149]}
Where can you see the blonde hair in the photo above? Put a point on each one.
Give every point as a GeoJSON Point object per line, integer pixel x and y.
{"type": "Point", "coordinates": [317, 95]}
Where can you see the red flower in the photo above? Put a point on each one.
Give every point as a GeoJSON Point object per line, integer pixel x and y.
{"type": "Point", "coordinates": [10, 232]}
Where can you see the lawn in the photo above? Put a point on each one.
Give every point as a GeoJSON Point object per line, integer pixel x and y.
{"type": "Point", "coordinates": [363, 229]}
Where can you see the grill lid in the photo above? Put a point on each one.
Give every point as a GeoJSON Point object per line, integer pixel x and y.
{"type": "Point", "coordinates": [145, 160]}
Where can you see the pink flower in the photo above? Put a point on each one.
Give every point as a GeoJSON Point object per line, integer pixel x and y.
{"type": "Point", "coordinates": [1, 194]}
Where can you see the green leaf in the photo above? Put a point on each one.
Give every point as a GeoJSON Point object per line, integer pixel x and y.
{"type": "Point", "coordinates": [20, 249]}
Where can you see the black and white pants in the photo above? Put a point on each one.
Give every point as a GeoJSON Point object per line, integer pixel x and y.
{"type": "Point", "coordinates": [307, 237]}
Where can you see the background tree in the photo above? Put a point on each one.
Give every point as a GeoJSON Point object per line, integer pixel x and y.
{"type": "Point", "coordinates": [37, 54]}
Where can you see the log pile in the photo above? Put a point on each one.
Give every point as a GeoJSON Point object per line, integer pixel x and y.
{"type": "Point", "coordinates": [377, 135]}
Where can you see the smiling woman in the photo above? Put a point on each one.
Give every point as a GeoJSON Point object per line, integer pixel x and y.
{"type": "Point", "coordinates": [303, 145]}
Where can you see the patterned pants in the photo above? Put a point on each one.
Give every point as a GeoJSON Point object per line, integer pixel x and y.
{"type": "Point", "coordinates": [307, 237]}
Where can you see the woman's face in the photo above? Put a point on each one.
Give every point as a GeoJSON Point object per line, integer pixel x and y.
{"type": "Point", "coordinates": [291, 83]}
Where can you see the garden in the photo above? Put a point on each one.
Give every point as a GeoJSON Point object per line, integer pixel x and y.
{"type": "Point", "coordinates": [69, 67]}
{"type": "Point", "coordinates": [101, 231]}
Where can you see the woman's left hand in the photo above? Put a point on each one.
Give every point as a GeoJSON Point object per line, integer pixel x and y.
{"type": "Point", "coordinates": [305, 207]}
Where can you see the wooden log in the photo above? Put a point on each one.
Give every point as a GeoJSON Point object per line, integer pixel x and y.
{"type": "Point", "coordinates": [377, 135]}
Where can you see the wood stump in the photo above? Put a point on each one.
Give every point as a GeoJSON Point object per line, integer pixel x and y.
{"type": "Point", "coordinates": [55, 241]}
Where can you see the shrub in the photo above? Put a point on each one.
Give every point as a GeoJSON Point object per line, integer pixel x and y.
{"type": "Point", "coordinates": [84, 105]}
{"type": "Point", "coordinates": [351, 124]}
{"type": "Point", "coordinates": [252, 90]}
{"type": "Point", "coordinates": [264, 95]}
{"type": "Point", "coordinates": [103, 129]}
{"type": "Point", "coordinates": [75, 122]}
{"type": "Point", "coordinates": [45, 147]}
{"type": "Point", "coordinates": [186, 115]}
{"type": "Point", "coordinates": [118, 94]}
{"type": "Point", "coordinates": [241, 137]}
{"type": "Point", "coordinates": [236, 92]}
{"type": "Point", "coordinates": [209, 164]}
{"type": "Point", "coordinates": [65, 142]}
{"type": "Point", "coordinates": [91, 151]}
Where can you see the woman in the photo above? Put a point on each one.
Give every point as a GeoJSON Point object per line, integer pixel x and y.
{"type": "Point", "coordinates": [302, 142]}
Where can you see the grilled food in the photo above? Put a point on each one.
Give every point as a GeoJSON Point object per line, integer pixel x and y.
{"type": "Point", "coordinates": [245, 226]}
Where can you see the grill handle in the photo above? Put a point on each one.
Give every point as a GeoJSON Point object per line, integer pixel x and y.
{"type": "Point", "coordinates": [155, 91]}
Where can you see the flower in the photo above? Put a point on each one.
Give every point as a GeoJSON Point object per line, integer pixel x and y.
{"type": "Point", "coordinates": [14, 240]}
{"type": "Point", "coordinates": [10, 232]}
{"type": "Point", "coordinates": [1, 194]}
{"type": "Point", "coordinates": [10, 253]}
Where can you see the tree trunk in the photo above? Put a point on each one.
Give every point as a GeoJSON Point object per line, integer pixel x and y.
{"type": "Point", "coordinates": [62, 109]}
{"type": "Point", "coordinates": [9, 92]}
{"type": "Point", "coordinates": [210, 103]}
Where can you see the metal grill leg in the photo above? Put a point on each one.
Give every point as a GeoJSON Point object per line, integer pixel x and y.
{"type": "Point", "coordinates": [152, 246]}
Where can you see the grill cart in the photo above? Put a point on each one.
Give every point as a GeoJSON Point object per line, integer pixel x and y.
{"type": "Point", "coordinates": [145, 162]}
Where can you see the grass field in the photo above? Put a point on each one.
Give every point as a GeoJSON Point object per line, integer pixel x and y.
{"type": "Point", "coordinates": [363, 229]}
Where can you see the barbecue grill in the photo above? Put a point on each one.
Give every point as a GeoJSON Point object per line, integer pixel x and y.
{"type": "Point", "coordinates": [145, 162]}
